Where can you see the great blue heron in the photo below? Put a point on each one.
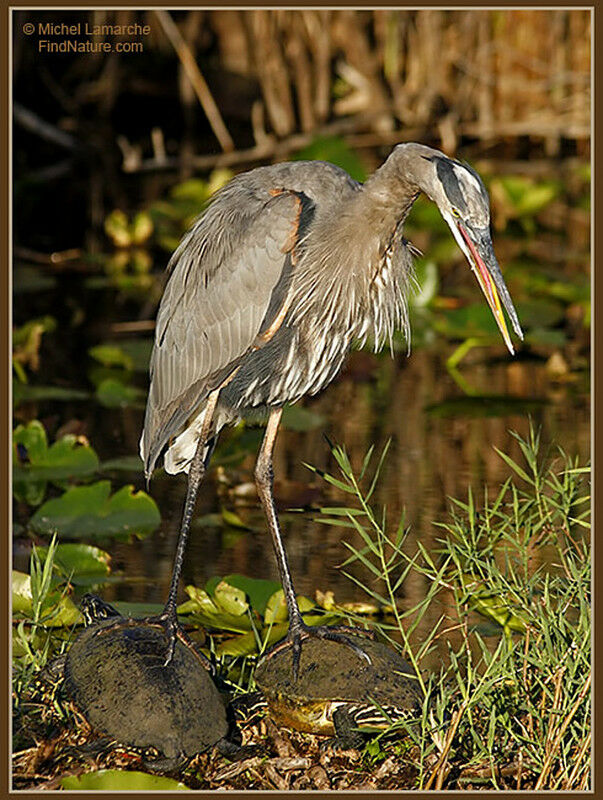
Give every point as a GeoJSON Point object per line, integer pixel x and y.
{"type": "Point", "coordinates": [289, 267]}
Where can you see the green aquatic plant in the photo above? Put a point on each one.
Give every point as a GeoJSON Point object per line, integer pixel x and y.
{"type": "Point", "coordinates": [510, 707]}
{"type": "Point", "coordinates": [92, 512]}
{"type": "Point", "coordinates": [27, 340]}
{"type": "Point", "coordinates": [35, 463]}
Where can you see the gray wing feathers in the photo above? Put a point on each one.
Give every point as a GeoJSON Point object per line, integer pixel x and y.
{"type": "Point", "coordinates": [221, 285]}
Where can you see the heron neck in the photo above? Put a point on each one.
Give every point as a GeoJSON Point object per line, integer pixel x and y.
{"type": "Point", "coordinates": [387, 197]}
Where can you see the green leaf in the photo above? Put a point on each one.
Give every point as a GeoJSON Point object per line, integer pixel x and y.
{"type": "Point", "coordinates": [117, 228]}
{"type": "Point", "coordinates": [33, 438]}
{"type": "Point", "coordinates": [141, 227]}
{"type": "Point", "coordinates": [24, 393]}
{"type": "Point", "coordinates": [88, 512]}
{"type": "Point", "coordinates": [21, 593]}
{"type": "Point", "coordinates": [208, 613]}
{"type": "Point", "coordinates": [522, 197]}
{"type": "Point", "coordinates": [122, 464]}
{"type": "Point", "coordinates": [536, 198]}
{"type": "Point", "coordinates": [59, 609]}
{"type": "Point", "coordinates": [247, 643]}
{"type": "Point", "coordinates": [194, 189]}
{"type": "Point", "coordinates": [234, 520]}
{"type": "Point", "coordinates": [515, 467]}
{"type": "Point", "coordinates": [493, 606]}
{"type": "Point", "coordinates": [540, 313]}
{"type": "Point", "coordinates": [66, 458]}
{"type": "Point", "coordinates": [137, 610]}
{"type": "Point", "coordinates": [80, 563]}
{"type": "Point", "coordinates": [276, 608]}
{"type": "Point", "coordinates": [120, 780]}
{"type": "Point", "coordinates": [111, 355]}
{"type": "Point", "coordinates": [336, 151]}
{"type": "Point", "coordinates": [137, 351]}
{"type": "Point", "coordinates": [471, 320]}
{"type": "Point", "coordinates": [200, 601]}
{"type": "Point", "coordinates": [113, 393]}
{"type": "Point", "coordinates": [230, 599]}
{"type": "Point", "coordinates": [258, 590]}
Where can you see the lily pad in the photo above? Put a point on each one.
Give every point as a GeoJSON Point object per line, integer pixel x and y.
{"type": "Point", "coordinates": [211, 614]}
{"type": "Point", "coordinates": [113, 393]}
{"type": "Point", "coordinates": [21, 592]}
{"type": "Point", "coordinates": [247, 643]}
{"type": "Point", "coordinates": [120, 780]}
{"type": "Point", "coordinates": [276, 607]}
{"type": "Point", "coordinates": [81, 564]}
{"type": "Point", "coordinates": [89, 512]}
{"type": "Point", "coordinates": [258, 590]}
{"type": "Point", "coordinates": [230, 599]}
{"type": "Point", "coordinates": [34, 463]}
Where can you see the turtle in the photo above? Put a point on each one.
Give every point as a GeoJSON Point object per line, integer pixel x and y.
{"type": "Point", "coordinates": [115, 675]}
{"type": "Point", "coordinates": [336, 691]}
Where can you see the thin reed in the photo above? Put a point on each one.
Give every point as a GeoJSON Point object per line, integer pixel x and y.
{"type": "Point", "coordinates": [511, 705]}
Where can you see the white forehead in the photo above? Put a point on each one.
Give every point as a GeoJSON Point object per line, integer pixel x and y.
{"type": "Point", "coordinates": [469, 183]}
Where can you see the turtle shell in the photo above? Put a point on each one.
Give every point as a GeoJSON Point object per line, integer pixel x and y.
{"type": "Point", "coordinates": [115, 674]}
{"type": "Point", "coordinates": [331, 675]}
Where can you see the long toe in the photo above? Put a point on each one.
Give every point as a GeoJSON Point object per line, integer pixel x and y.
{"type": "Point", "coordinates": [173, 632]}
{"type": "Point", "coordinates": [337, 633]}
{"type": "Point", "coordinates": [169, 655]}
{"type": "Point", "coordinates": [343, 635]}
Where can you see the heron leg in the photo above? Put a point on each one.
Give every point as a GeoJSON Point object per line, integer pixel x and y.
{"type": "Point", "coordinates": [264, 479]}
{"type": "Point", "coordinates": [298, 630]}
{"type": "Point", "coordinates": [205, 446]}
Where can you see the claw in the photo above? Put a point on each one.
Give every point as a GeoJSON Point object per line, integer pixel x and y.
{"type": "Point", "coordinates": [340, 633]}
{"type": "Point", "coordinates": [168, 620]}
{"type": "Point", "coordinates": [171, 637]}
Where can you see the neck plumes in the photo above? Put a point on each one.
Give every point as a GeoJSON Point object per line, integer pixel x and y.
{"type": "Point", "coordinates": [356, 267]}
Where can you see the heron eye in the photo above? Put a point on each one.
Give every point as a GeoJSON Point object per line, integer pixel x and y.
{"type": "Point", "coordinates": [455, 212]}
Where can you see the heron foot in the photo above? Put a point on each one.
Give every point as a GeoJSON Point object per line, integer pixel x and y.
{"type": "Point", "coordinates": [344, 634]}
{"type": "Point", "coordinates": [168, 619]}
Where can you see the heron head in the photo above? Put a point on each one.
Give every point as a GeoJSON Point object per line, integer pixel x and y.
{"type": "Point", "coordinates": [463, 201]}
